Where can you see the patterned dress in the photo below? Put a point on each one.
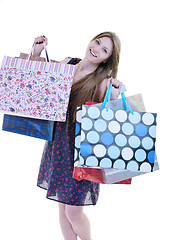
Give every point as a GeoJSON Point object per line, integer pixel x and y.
{"type": "Point", "coordinates": [56, 168]}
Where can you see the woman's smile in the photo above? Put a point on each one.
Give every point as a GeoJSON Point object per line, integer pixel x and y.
{"type": "Point", "coordinates": [92, 53]}
{"type": "Point", "coordinates": [99, 50]}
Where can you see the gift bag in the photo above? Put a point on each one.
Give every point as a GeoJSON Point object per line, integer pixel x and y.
{"type": "Point", "coordinates": [115, 175]}
{"type": "Point", "coordinates": [91, 174]}
{"type": "Point", "coordinates": [97, 175]}
{"type": "Point", "coordinates": [117, 139]}
{"type": "Point", "coordinates": [110, 175]}
{"type": "Point", "coordinates": [35, 89]}
{"type": "Point", "coordinates": [38, 128]}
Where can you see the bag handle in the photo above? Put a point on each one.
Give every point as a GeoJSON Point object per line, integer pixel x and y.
{"type": "Point", "coordinates": [46, 53]}
{"type": "Point", "coordinates": [126, 103]}
{"type": "Point", "coordinates": [107, 97]}
{"type": "Point", "coordinates": [122, 89]}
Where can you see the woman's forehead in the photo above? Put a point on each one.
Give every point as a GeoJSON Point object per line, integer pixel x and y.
{"type": "Point", "coordinates": [106, 41]}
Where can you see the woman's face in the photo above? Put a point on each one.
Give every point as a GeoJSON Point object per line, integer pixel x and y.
{"type": "Point", "coordinates": [99, 50]}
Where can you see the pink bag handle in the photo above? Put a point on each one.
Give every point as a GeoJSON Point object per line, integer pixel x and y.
{"type": "Point", "coordinates": [46, 53]}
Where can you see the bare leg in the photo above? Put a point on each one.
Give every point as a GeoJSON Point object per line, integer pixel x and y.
{"type": "Point", "coordinates": [65, 224]}
{"type": "Point", "coordinates": [79, 221]}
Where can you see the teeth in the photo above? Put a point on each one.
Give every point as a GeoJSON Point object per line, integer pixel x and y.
{"type": "Point", "coordinates": [93, 53]}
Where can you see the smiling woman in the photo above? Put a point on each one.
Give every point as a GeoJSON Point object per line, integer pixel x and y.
{"type": "Point", "coordinates": [97, 69]}
{"type": "Point", "coordinates": [92, 76]}
{"type": "Point", "coordinates": [99, 50]}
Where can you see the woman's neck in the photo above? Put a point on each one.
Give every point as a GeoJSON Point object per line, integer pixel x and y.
{"type": "Point", "coordinates": [86, 67]}
{"type": "Point", "coordinates": [83, 68]}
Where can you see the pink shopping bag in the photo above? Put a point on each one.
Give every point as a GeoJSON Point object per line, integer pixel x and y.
{"type": "Point", "coordinates": [35, 89]}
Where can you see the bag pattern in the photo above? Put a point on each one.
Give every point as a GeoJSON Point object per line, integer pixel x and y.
{"type": "Point", "coordinates": [116, 139]}
{"type": "Point", "coordinates": [38, 128]}
{"type": "Point", "coordinates": [35, 89]}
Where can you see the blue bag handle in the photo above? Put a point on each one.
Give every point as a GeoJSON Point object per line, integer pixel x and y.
{"type": "Point", "coordinates": [107, 97]}
{"type": "Point", "coordinates": [126, 105]}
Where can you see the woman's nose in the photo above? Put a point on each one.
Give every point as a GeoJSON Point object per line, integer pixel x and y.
{"type": "Point", "coordinates": [96, 49]}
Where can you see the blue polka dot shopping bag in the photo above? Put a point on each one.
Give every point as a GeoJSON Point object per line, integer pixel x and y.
{"type": "Point", "coordinates": [90, 173]}
{"type": "Point", "coordinates": [115, 138]}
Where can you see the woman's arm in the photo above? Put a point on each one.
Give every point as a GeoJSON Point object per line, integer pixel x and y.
{"type": "Point", "coordinates": [39, 46]}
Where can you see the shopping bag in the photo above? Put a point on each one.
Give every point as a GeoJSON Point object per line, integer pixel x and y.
{"type": "Point", "coordinates": [35, 89]}
{"type": "Point", "coordinates": [36, 58]}
{"type": "Point", "coordinates": [96, 175]}
{"type": "Point", "coordinates": [117, 139]}
{"type": "Point", "coordinates": [107, 176]}
{"type": "Point", "coordinates": [115, 175]}
{"type": "Point", "coordinates": [38, 128]}
{"type": "Point", "coordinates": [92, 174]}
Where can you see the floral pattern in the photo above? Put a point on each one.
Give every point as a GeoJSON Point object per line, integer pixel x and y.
{"type": "Point", "coordinates": [57, 164]}
{"type": "Point", "coordinates": [39, 94]}
{"type": "Point", "coordinates": [56, 170]}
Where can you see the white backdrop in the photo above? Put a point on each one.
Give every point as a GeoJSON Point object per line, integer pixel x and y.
{"type": "Point", "coordinates": [133, 212]}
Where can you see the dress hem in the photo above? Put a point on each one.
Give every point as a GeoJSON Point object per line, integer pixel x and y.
{"type": "Point", "coordinates": [65, 202]}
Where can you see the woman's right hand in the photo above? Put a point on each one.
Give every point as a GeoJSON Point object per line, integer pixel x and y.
{"type": "Point", "coordinates": [38, 45]}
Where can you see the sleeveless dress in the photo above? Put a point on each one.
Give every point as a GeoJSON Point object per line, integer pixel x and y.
{"type": "Point", "coordinates": [57, 164]}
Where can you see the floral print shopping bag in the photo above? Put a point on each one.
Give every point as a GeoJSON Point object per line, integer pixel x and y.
{"type": "Point", "coordinates": [35, 89]}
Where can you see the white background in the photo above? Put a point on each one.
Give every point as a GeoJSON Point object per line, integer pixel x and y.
{"type": "Point", "coordinates": [139, 211]}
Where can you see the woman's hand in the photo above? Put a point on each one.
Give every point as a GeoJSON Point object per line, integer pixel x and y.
{"type": "Point", "coordinates": [38, 45]}
{"type": "Point", "coordinates": [115, 85]}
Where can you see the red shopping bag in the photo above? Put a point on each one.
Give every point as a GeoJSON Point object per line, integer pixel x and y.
{"type": "Point", "coordinates": [93, 175]}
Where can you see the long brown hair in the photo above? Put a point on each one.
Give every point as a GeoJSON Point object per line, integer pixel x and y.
{"type": "Point", "coordinates": [87, 88]}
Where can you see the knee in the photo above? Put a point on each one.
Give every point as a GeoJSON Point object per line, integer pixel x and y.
{"type": "Point", "coordinates": [61, 208]}
{"type": "Point", "coordinates": [74, 213]}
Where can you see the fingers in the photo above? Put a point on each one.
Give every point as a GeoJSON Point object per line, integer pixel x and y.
{"type": "Point", "coordinates": [115, 83]}
{"type": "Point", "coordinates": [38, 45]}
{"type": "Point", "coordinates": [115, 94]}
{"type": "Point", "coordinates": [41, 39]}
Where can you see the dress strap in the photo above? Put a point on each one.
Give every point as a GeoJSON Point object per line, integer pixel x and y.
{"type": "Point", "coordinates": [74, 61]}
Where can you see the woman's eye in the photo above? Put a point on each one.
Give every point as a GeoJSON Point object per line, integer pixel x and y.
{"type": "Point", "coordinates": [97, 41]}
{"type": "Point", "coordinates": [105, 50]}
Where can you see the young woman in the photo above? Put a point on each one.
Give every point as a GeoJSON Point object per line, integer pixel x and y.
{"type": "Point", "coordinates": [93, 74]}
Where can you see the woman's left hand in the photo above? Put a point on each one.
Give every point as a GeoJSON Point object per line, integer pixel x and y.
{"type": "Point", "coordinates": [115, 87]}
